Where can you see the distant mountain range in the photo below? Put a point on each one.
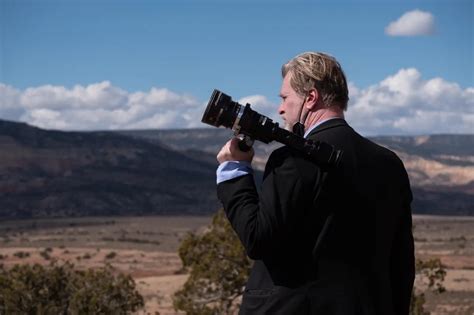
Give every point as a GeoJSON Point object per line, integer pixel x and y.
{"type": "Point", "coordinates": [55, 173]}
{"type": "Point", "coordinates": [440, 167]}
{"type": "Point", "coordinates": [140, 172]}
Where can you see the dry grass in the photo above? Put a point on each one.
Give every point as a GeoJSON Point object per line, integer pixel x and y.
{"type": "Point", "coordinates": [146, 248]}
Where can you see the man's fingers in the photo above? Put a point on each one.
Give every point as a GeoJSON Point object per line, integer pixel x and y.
{"type": "Point", "coordinates": [234, 145]}
{"type": "Point", "coordinates": [231, 152]}
{"type": "Point", "coordinates": [224, 153]}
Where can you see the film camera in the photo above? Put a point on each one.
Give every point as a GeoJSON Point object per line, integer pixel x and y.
{"type": "Point", "coordinates": [222, 111]}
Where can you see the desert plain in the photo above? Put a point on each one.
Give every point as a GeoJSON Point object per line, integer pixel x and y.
{"type": "Point", "coordinates": [147, 249]}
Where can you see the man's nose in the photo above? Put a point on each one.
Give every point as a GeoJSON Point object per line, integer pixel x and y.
{"type": "Point", "coordinates": [281, 110]}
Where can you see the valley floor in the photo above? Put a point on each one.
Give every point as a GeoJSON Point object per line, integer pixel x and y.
{"type": "Point", "coordinates": [146, 248]}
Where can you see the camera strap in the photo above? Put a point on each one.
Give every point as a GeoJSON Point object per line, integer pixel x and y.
{"type": "Point", "coordinates": [298, 127]}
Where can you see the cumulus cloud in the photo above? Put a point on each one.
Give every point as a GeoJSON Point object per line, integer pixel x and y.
{"type": "Point", "coordinates": [10, 107]}
{"type": "Point", "coordinates": [412, 23]}
{"type": "Point", "coordinates": [262, 105]}
{"type": "Point", "coordinates": [405, 103]}
{"type": "Point", "coordinates": [99, 106]}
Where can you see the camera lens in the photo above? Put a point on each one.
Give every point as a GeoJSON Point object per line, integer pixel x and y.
{"type": "Point", "coordinates": [221, 110]}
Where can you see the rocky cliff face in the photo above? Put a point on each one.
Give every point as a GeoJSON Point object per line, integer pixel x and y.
{"type": "Point", "coordinates": [54, 173]}
{"type": "Point", "coordinates": [440, 167]}
{"type": "Point", "coordinates": [441, 171]}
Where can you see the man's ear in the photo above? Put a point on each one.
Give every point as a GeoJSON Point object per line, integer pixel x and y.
{"type": "Point", "coordinates": [312, 99]}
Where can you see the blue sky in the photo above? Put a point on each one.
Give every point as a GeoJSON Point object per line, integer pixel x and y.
{"type": "Point", "coordinates": [182, 50]}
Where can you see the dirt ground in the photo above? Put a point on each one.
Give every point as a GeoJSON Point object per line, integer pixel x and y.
{"type": "Point", "coordinates": [146, 248]}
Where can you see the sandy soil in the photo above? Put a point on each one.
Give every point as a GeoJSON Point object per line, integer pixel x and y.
{"type": "Point", "coordinates": [146, 248]}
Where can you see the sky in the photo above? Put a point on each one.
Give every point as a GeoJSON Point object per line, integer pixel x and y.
{"type": "Point", "coordinates": [100, 65]}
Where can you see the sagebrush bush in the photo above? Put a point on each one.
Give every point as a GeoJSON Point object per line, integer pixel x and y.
{"type": "Point", "coordinates": [218, 270]}
{"type": "Point", "coordinates": [62, 289]}
{"type": "Point", "coordinates": [218, 267]}
{"type": "Point", "coordinates": [432, 272]}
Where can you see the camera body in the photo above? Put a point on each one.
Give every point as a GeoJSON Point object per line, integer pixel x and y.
{"type": "Point", "coordinates": [223, 111]}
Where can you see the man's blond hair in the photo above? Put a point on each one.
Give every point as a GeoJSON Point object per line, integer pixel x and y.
{"type": "Point", "coordinates": [320, 71]}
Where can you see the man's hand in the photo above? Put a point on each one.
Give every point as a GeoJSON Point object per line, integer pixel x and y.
{"type": "Point", "coordinates": [231, 152]}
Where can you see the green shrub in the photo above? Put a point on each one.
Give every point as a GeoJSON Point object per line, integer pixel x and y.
{"type": "Point", "coordinates": [21, 254]}
{"type": "Point", "coordinates": [432, 273]}
{"type": "Point", "coordinates": [61, 289]}
{"type": "Point", "coordinates": [45, 254]}
{"type": "Point", "coordinates": [111, 255]}
{"type": "Point", "coordinates": [212, 288]}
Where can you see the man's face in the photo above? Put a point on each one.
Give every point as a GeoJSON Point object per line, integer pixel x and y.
{"type": "Point", "coordinates": [291, 103]}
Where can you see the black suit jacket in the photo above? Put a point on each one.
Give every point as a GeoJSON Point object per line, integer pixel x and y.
{"type": "Point", "coordinates": [365, 263]}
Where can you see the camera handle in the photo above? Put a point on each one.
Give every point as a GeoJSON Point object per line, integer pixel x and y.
{"type": "Point", "coordinates": [245, 143]}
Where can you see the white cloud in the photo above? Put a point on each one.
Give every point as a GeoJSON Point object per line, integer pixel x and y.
{"type": "Point", "coordinates": [406, 104]}
{"type": "Point", "coordinates": [99, 106]}
{"type": "Point", "coordinates": [403, 103]}
{"type": "Point", "coordinates": [92, 96]}
{"type": "Point", "coordinates": [48, 118]}
{"type": "Point", "coordinates": [9, 102]}
{"type": "Point", "coordinates": [262, 105]}
{"type": "Point", "coordinates": [412, 23]}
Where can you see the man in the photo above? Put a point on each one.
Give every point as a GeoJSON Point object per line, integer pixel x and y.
{"type": "Point", "coordinates": [358, 214]}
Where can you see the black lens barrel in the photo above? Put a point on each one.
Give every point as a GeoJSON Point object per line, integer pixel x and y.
{"type": "Point", "coordinates": [222, 111]}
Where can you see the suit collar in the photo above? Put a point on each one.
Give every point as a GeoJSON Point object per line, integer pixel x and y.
{"type": "Point", "coordinates": [336, 122]}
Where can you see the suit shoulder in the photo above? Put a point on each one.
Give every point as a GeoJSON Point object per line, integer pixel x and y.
{"type": "Point", "coordinates": [285, 153]}
{"type": "Point", "coordinates": [287, 160]}
{"type": "Point", "coordinates": [388, 155]}
{"type": "Point", "coordinates": [277, 157]}
{"type": "Point", "coordinates": [393, 166]}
